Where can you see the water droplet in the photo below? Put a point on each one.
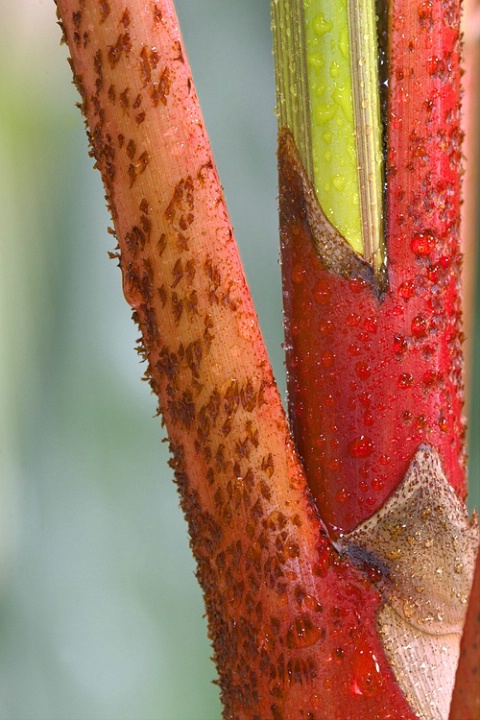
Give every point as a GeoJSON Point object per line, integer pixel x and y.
{"type": "Point", "coordinates": [405, 381]}
{"type": "Point", "coordinates": [425, 10]}
{"type": "Point", "coordinates": [321, 292]}
{"type": "Point", "coordinates": [423, 244]}
{"type": "Point", "coordinates": [374, 574]}
{"type": "Point", "coordinates": [361, 447]}
{"type": "Point", "coordinates": [433, 64]}
{"type": "Point", "coordinates": [325, 112]}
{"type": "Point", "coordinates": [329, 400]}
{"type": "Point", "coordinates": [316, 700]}
{"type": "Point", "coordinates": [298, 274]}
{"type": "Point", "coordinates": [370, 324]}
{"type": "Point", "coordinates": [366, 669]}
{"type": "Point", "coordinates": [364, 471]}
{"type": "Point", "coordinates": [421, 422]}
{"type": "Point", "coordinates": [363, 370]}
{"type": "Point", "coordinates": [353, 319]}
{"type": "Point", "coordinates": [344, 43]}
{"type": "Point", "coordinates": [321, 25]}
{"type": "Point", "coordinates": [334, 69]}
{"type": "Point", "coordinates": [327, 359]}
{"type": "Point", "coordinates": [400, 344]}
{"type": "Point", "coordinates": [406, 289]}
{"type": "Point", "coordinates": [366, 399]}
{"type": "Point", "coordinates": [326, 327]}
{"type": "Point", "coordinates": [378, 483]}
{"type": "Point", "coordinates": [430, 377]}
{"type": "Point", "coordinates": [293, 361]}
{"type": "Point", "coordinates": [409, 608]}
{"type": "Point", "coordinates": [342, 496]}
{"type": "Point", "coordinates": [338, 182]}
{"type": "Point", "coordinates": [356, 285]}
{"type": "Point", "coordinates": [302, 633]}
{"type": "Point", "coordinates": [368, 418]}
{"type": "Point", "coordinates": [299, 409]}
{"type": "Point", "coordinates": [443, 423]}
{"type": "Point", "coordinates": [393, 553]}
{"type": "Point", "coordinates": [312, 603]}
{"type": "Point", "coordinates": [419, 326]}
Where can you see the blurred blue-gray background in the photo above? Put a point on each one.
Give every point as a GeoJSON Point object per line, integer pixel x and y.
{"type": "Point", "coordinates": [100, 614]}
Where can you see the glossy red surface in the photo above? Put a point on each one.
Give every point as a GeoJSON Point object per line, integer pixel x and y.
{"type": "Point", "coordinates": [371, 378]}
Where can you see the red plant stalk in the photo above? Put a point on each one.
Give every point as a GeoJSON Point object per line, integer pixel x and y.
{"type": "Point", "coordinates": [375, 371]}
{"type": "Point", "coordinates": [293, 622]}
{"type": "Point", "coordinates": [470, 110]}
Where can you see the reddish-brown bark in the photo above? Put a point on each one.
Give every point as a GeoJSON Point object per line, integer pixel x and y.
{"type": "Point", "coordinates": [374, 371]}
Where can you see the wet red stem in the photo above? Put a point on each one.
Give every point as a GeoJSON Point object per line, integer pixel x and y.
{"type": "Point", "coordinates": [371, 377]}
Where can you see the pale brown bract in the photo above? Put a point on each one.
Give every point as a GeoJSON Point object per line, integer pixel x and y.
{"type": "Point", "coordinates": [424, 547]}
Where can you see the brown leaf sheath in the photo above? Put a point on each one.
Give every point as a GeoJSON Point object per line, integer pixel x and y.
{"type": "Point", "coordinates": [292, 624]}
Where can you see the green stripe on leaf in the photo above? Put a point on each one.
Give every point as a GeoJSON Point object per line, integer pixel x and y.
{"type": "Point", "coordinates": [326, 54]}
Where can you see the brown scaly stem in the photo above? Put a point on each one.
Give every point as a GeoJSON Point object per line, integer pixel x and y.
{"type": "Point", "coordinates": [266, 567]}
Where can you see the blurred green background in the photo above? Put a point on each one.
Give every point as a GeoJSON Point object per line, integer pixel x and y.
{"type": "Point", "coordinates": [100, 614]}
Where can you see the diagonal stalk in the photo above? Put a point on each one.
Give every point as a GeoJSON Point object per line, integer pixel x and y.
{"type": "Point", "coordinates": [271, 576]}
